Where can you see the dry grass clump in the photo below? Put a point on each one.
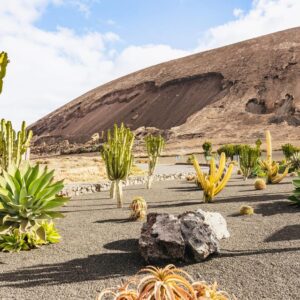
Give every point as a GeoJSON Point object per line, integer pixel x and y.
{"type": "Point", "coordinates": [168, 283]}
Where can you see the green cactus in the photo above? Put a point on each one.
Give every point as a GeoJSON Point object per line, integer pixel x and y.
{"type": "Point", "coordinates": [154, 145]}
{"type": "Point", "coordinates": [248, 160]}
{"type": "Point", "coordinates": [118, 158]}
{"type": "Point", "coordinates": [3, 63]}
{"type": "Point", "coordinates": [13, 145]}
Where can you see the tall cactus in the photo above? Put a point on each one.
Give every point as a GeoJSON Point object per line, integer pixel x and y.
{"type": "Point", "coordinates": [270, 166]}
{"type": "Point", "coordinates": [13, 145]}
{"type": "Point", "coordinates": [155, 145]}
{"type": "Point", "coordinates": [3, 63]}
{"type": "Point", "coordinates": [118, 158]}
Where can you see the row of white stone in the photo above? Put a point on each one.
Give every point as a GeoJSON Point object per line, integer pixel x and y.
{"type": "Point", "coordinates": [77, 189]}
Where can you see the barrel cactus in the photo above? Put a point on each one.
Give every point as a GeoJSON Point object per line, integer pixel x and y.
{"type": "Point", "coordinates": [138, 209]}
{"type": "Point", "coordinates": [259, 184]}
{"type": "Point", "coordinates": [246, 210]}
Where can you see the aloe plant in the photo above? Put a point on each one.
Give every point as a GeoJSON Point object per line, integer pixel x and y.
{"type": "Point", "coordinates": [155, 145]}
{"type": "Point", "coordinates": [28, 199]}
{"type": "Point", "coordinates": [118, 158]}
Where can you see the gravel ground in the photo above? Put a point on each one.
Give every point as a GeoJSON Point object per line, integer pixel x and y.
{"type": "Point", "coordinates": [261, 259]}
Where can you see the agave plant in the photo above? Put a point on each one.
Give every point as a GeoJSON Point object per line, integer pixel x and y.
{"type": "Point", "coordinates": [168, 283]}
{"type": "Point", "coordinates": [295, 198]}
{"type": "Point", "coordinates": [165, 283]}
{"type": "Point", "coordinates": [28, 197]}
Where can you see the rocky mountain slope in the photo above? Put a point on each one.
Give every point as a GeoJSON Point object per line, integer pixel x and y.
{"type": "Point", "coordinates": [229, 94]}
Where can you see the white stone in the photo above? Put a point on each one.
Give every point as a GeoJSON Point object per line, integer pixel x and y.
{"type": "Point", "coordinates": [216, 222]}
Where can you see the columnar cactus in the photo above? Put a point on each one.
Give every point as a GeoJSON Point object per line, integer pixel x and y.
{"type": "Point", "coordinates": [118, 158]}
{"type": "Point", "coordinates": [13, 145]}
{"type": "Point", "coordinates": [248, 160]}
{"type": "Point", "coordinates": [155, 145]}
{"type": "Point", "coordinates": [3, 63]}
{"type": "Point", "coordinates": [213, 182]}
{"type": "Point", "coordinates": [270, 166]}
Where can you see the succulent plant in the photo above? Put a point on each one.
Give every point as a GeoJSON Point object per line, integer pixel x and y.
{"type": "Point", "coordinates": [118, 158]}
{"type": "Point", "coordinates": [28, 196]}
{"type": "Point", "coordinates": [155, 145]}
{"type": "Point", "coordinates": [168, 283]}
{"type": "Point", "coordinates": [259, 184]}
{"type": "Point", "coordinates": [289, 150]}
{"type": "Point", "coordinates": [214, 182]}
{"type": "Point", "coordinates": [138, 209]}
{"type": "Point", "coordinates": [246, 210]}
{"type": "Point", "coordinates": [295, 198]}
{"type": "Point", "coordinates": [270, 166]}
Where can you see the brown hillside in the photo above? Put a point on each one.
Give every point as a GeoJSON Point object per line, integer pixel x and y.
{"type": "Point", "coordinates": [227, 94]}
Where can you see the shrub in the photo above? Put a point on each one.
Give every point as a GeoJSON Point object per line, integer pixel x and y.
{"type": "Point", "coordinates": [246, 210]}
{"type": "Point", "coordinates": [289, 150]}
{"type": "Point", "coordinates": [259, 184]}
{"type": "Point", "coordinates": [168, 283]}
{"type": "Point", "coordinates": [258, 143]}
{"type": "Point", "coordinates": [248, 160]}
{"type": "Point", "coordinates": [214, 182]}
{"type": "Point", "coordinates": [295, 198]}
{"type": "Point", "coordinates": [295, 162]}
{"type": "Point", "coordinates": [207, 148]}
{"type": "Point", "coordinates": [228, 150]}
{"type": "Point", "coordinates": [28, 197]}
{"type": "Point", "coordinates": [138, 209]}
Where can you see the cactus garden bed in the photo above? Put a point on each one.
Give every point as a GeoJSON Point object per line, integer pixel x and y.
{"type": "Point", "coordinates": [259, 261]}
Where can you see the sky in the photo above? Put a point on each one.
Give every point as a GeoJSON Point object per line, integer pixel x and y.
{"type": "Point", "coordinates": [60, 49]}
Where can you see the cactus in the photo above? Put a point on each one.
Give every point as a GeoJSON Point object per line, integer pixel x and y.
{"type": "Point", "coordinates": [3, 63]}
{"type": "Point", "coordinates": [248, 160]}
{"type": "Point", "coordinates": [138, 209]}
{"type": "Point", "coordinates": [259, 184]}
{"type": "Point", "coordinates": [155, 145]}
{"type": "Point", "coordinates": [214, 182]}
{"type": "Point", "coordinates": [118, 158]}
{"type": "Point", "coordinates": [246, 210]}
{"type": "Point", "coordinates": [207, 148]}
{"type": "Point", "coordinates": [270, 166]}
{"type": "Point", "coordinates": [13, 145]}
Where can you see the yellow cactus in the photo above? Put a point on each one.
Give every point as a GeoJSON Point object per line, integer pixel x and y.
{"type": "Point", "coordinates": [215, 181]}
{"type": "Point", "coordinates": [270, 166]}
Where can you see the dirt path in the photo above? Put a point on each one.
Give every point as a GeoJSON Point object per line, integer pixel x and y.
{"type": "Point", "coordinates": [261, 259]}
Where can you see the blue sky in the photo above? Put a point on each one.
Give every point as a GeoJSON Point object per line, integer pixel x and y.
{"type": "Point", "coordinates": [60, 49]}
{"type": "Point", "coordinates": [178, 23]}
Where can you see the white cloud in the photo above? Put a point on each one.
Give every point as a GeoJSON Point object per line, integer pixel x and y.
{"type": "Point", "coordinates": [265, 16]}
{"type": "Point", "coordinates": [50, 68]}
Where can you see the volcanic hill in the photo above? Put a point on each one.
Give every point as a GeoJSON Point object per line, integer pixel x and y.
{"type": "Point", "coordinates": [229, 94]}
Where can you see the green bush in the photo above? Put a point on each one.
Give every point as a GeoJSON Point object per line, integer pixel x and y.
{"type": "Point", "coordinates": [207, 148]}
{"type": "Point", "coordinates": [248, 160]}
{"type": "Point", "coordinates": [28, 199]}
{"type": "Point", "coordinates": [289, 150]}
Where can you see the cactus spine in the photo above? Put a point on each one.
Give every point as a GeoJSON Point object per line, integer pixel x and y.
{"type": "Point", "coordinates": [155, 145]}
{"type": "Point", "coordinates": [214, 182]}
{"type": "Point", "coordinates": [3, 63]}
{"type": "Point", "coordinates": [13, 145]}
{"type": "Point", "coordinates": [118, 158]}
{"type": "Point", "coordinates": [271, 166]}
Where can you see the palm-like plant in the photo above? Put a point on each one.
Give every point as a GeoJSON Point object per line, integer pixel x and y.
{"type": "Point", "coordinates": [28, 196]}
{"type": "Point", "coordinates": [295, 198]}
